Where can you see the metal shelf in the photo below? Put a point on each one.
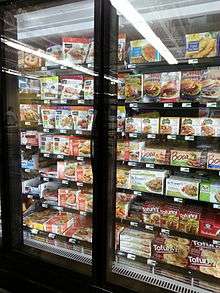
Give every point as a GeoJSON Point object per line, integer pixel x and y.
{"type": "Point", "coordinates": [65, 182]}
{"type": "Point", "coordinates": [65, 157]}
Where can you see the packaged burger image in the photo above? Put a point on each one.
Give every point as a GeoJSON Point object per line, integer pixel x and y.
{"type": "Point", "coordinates": [56, 52]}
{"type": "Point", "coordinates": [155, 155]}
{"type": "Point", "coordinates": [29, 113]}
{"type": "Point", "coordinates": [189, 219]}
{"type": "Point", "coordinates": [84, 200]}
{"type": "Point", "coordinates": [170, 87]}
{"type": "Point", "coordinates": [48, 114]}
{"type": "Point", "coordinates": [88, 88]}
{"type": "Point", "coordinates": [75, 49]}
{"type": "Point", "coordinates": [121, 85]}
{"type": "Point", "coordinates": [148, 180]}
{"type": "Point", "coordinates": [210, 224]}
{"type": "Point", "coordinates": [71, 87]}
{"type": "Point", "coordinates": [170, 214]}
{"type": "Point", "coordinates": [150, 125]}
{"type": "Point", "coordinates": [29, 61]}
{"type": "Point", "coordinates": [210, 190]}
{"type": "Point", "coordinates": [151, 212]}
{"type": "Point", "coordinates": [121, 118]}
{"type": "Point", "coordinates": [59, 222]}
{"type": "Point", "coordinates": [46, 144]}
{"type": "Point", "coordinates": [172, 250]}
{"type": "Point", "coordinates": [141, 52]}
{"type": "Point", "coordinates": [49, 87]}
{"type": "Point", "coordinates": [84, 173]}
{"type": "Point", "coordinates": [84, 118]}
{"type": "Point", "coordinates": [186, 158]}
{"type": "Point", "coordinates": [133, 124]}
{"type": "Point", "coordinates": [64, 118]}
{"type": "Point", "coordinates": [67, 197]}
{"type": "Point", "coordinates": [123, 177]}
{"type": "Point", "coordinates": [29, 137]}
{"type": "Point", "coordinates": [169, 125]}
{"type": "Point", "coordinates": [210, 126]}
{"type": "Point", "coordinates": [133, 88]}
{"type": "Point", "coordinates": [151, 87]}
{"type": "Point", "coordinates": [191, 85]}
{"type": "Point", "coordinates": [211, 85]}
{"type": "Point", "coordinates": [121, 47]}
{"type": "Point", "coordinates": [190, 126]}
{"type": "Point", "coordinates": [182, 187]}
{"type": "Point", "coordinates": [67, 170]}
{"type": "Point", "coordinates": [213, 160]}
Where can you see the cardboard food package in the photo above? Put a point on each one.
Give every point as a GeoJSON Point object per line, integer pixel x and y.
{"type": "Point", "coordinates": [64, 118]}
{"type": "Point", "coordinates": [67, 170]}
{"type": "Point", "coordinates": [29, 113]}
{"type": "Point", "coordinates": [169, 125]}
{"type": "Point", "coordinates": [36, 220]}
{"type": "Point", "coordinates": [170, 87]}
{"type": "Point", "coordinates": [84, 200]}
{"type": "Point", "coordinates": [46, 144]}
{"type": "Point", "coordinates": [155, 155]}
{"type": "Point", "coordinates": [211, 85]}
{"type": "Point", "coordinates": [210, 126]}
{"type": "Point", "coordinates": [213, 161]}
{"type": "Point", "coordinates": [210, 190]}
{"type": "Point", "coordinates": [210, 224]}
{"type": "Point", "coordinates": [192, 85]}
{"type": "Point", "coordinates": [170, 214]}
{"type": "Point", "coordinates": [121, 47]}
{"type": "Point", "coordinates": [123, 177]}
{"type": "Point", "coordinates": [133, 88]}
{"type": "Point", "coordinates": [151, 87]}
{"type": "Point", "coordinates": [71, 87]}
{"type": "Point", "coordinates": [150, 125]}
{"type": "Point", "coordinates": [186, 158]}
{"type": "Point", "coordinates": [133, 125]}
{"type": "Point", "coordinates": [121, 112]}
{"type": "Point", "coordinates": [48, 114]}
{"type": "Point", "coordinates": [88, 88]}
{"type": "Point", "coordinates": [189, 219]}
{"type": "Point", "coordinates": [29, 137]}
{"type": "Point", "coordinates": [59, 222]}
{"type": "Point", "coordinates": [75, 50]}
{"type": "Point", "coordinates": [141, 52]}
{"type": "Point", "coordinates": [55, 51]}
{"type": "Point", "coordinates": [191, 126]}
{"type": "Point", "coordinates": [84, 173]}
{"type": "Point", "coordinates": [49, 87]}
{"type": "Point", "coordinates": [29, 61]}
{"type": "Point", "coordinates": [121, 85]}
{"type": "Point", "coordinates": [151, 212]}
{"type": "Point", "coordinates": [67, 197]}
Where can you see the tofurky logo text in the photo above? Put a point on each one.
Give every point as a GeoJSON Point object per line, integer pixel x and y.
{"type": "Point", "coordinates": [165, 249]}
{"type": "Point", "coordinates": [200, 261]}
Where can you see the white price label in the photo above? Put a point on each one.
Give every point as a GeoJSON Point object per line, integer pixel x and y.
{"type": "Point", "coordinates": [150, 135]}
{"type": "Point", "coordinates": [34, 231]}
{"type": "Point", "coordinates": [82, 213]}
{"type": "Point", "coordinates": [171, 136]}
{"type": "Point", "coordinates": [46, 155]}
{"type": "Point", "coordinates": [216, 206]}
{"type": "Point", "coordinates": [131, 66]}
{"type": "Point", "coordinates": [81, 102]}
{"type": "Point", "coordinates": [60, 209]}
{"type": "Point", "coordinates": [63, 67]}
{"type": "Point", "coordinates": [65, 182]}
{"type": "Point", "coordinates": [28, 147]}
{"type": "Point", "coordinates": [184, 169]}
{"type": "Point", "coordinates": [60, 156]}
{"type": "Point", "coordinates": [137, 193]}
{"type": "Point", "coordinates": [216, 242]}
{"type": "Point", "coordinates": [72, 240]}
{"type": "Point", "coordinates": [43, 68]}
{"type": "Point", "coordinates": [189, 137]}
{"type": "Point", "coordinates": [186, 105]}
{"type": "Point", "coordinates": [46, 130]}
{"type": "Point", "coordinates": [45, 205]}
{"type": "Point", "coordinates": [64, 101]}
{"type": "Point", "coordinates": [211, 105]}
{"type": "Point", "coordinates": [193, 61]}
{"type": "Point", "coordinates": [51, 235]}
{"type": "Point", "coordinates": [79, 132]}
{"type": "Point", "coordinates": [80, 158]}
{"type": "Point", "coordinates": [29, 196]}
{"type": "Point", "coordinates": [63, 131]}
{"type": "Point", "coordinates": [168, 105]}
{"type": "Point", "coordinates": [27, 170]}
{"type": "Point", "coordinates": [133, 105]}
{"type": "Point", "coordinates": [149, 166]}
{"type": "Point", "coordinates": [149, 227]}
{"type": "Point", "coordinates": [46, 101]}
{"type": "Point", "coordinates": [121, 253]}
{"type": "Point", "coordinates": [177, 199]}
{"type": "Point", "coordinates": [165, 231]}
{"type": "Point", "coordinates": [151, 262]}
{"type": "Point", "coordinates": [133, 135]}
{"type": "Point", "coordinates": [131, 256]}
{"type": "Point", "coordinates": [79, 183]}
{"type": "Point", "coordinates": [132, 164]}
{"type": "Point", "coordinates": [134, 224]}
{"type": "Point", "coordinates": [46, 179]}
{"type": "Point", "coordinates": [27, 123]}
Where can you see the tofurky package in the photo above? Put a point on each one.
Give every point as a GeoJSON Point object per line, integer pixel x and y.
{"type": "Point", "coordinates": [56, 52]}
{"type": "Point", "coordinates": [201, 45]}
{"type": "Point", "coordinates": [121, 47]}
{"type": "Point", "coordinates": [191, 85]}
{"type": "Point", "coordinates": [49, 87]}
{"type": "Point", "coordinates": [150, 125]}
{"type": "Point", "coordinates": [170, 87]}
{"type": "Point", "coordinates": [29, 137]}
{"type": "Point", "coordinates": [121, 85]}
{"type": "Point", "coordinates": [59, 222]}
{"type": "Point", "coordinates": [64, 118]}
{"type": "Point", "coordinates": [190, 126]}
{"type": "Point", "coordinates": [182, 187]}
{"type": "Point", "coordinates": [211, 85]}
{"type": "Point", "coordinates": [81, 228]}
{"type": "Point", "coordinates": [71, 87]}
{"type": "Point", "coordinates": [88, 88]}
{"type": "Point", "coordinates": [136, 242]}
{"type": "Point", "coordinates": [75, 49]}
{"type": "Point", "coordinates": [210, 190]}
{"type": "Point", "coordinates": [151, 87]}
{"type": "Point", "coordinates": [141, 52]}
{"type": "Point", "coordinates": [121, 118]}
{"type": "Point", "coordinates": [172, 250]}
{"type": "Point", "coordinates": [151, 212]}
{"type": "Point", "coordinates": [213, 161]}
{"type": "Point", "coordinates": [155, 155]}
{"type": "Point", "coordinates": [169, 125]}
{"type": "Point", "coordinates": [133, 124]}
{"type": "Point", "coordinates": [84, 118]}
{"type": "Point", "coordinates": [67, 170]}
{"type": "Point", "coordinates": [67, 197]}
{"type": "Point", "coordinates": [36, 220]}
{"type": "Point", "coordinates": [28, 61]}
{"type": "Point", "coordinates": [48, 115]}
{"type": "Point", "coordinates": [123, 177]}
{"type": "Point", "coordinates": [189, 219]}
{"type": "Point", "coordinates": [210, 224]}
{"type": "Point", "coordinates": [133, 88]}
{"type": "Point", "coordinates": [186, 158]}
{"type": "Point", "coordinates": [46, 144]}
{"type": "Point", "coordinates": [148, 180]}
{"type": "Point", "coordinates": [210, 126]}
{"type": "Point", "coordinates": [29, 113]}
{"type": "Point", "coordinates": [170, 214]}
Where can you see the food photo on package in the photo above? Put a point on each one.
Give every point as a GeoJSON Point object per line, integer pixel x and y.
{"type": "Point", "coordinates": [169, 125]}
{"type": "Point", "coordinates": [192, 85]}
{"type": "Point", "coordinates": [151, 212]}
{"type": "Point", "coordinates": [29, 113]}
{"type": "Point", "coordinates": [133, 88]}
{"type": "Point", "coordinates": [67, 197]}
{"type": "Point", "coordinates": [28, 86]}
{"type": "Point", "coordinates": [30, 137]}
{"type": "Point", "coordinates": [121, 112]}
{"type": "Point", "coordinates": [90, 54]}
{"type": "Point", "coordinates": [88, 88]}
{"type": "Point", "coordinates": [150, 125]}
{"type": "Point", "coordinates": [191, 126]}
{"type": "Point", "coordinates": [210, 126]}
{"type": "Point", "coordinates": [141, 52]}
{"type": "Point", "coordinates": [29, 61]}
{"type": "Point", "coordinates": [64, 118]}
{"type": "Point", "coordinates": [84, 200]}
{"type": "Point", "coordinates": [75, 49]}
{"type": "Point", "coordinates": [213, 160]}
{"type": "Point", "coordinates": [210, 190]}
{"type": "Point", "coordinates": [170, 215]}
{"type": "Point", "coordinates": [84, 118]}
{"type": "Point", "coordinates": [154, 155]}
{"type": "Point", "coordinates": [49, 87]}
{"type": "Point", "coordinates": [186, 158]}
{"type": "Point", "coordinates": [46, 144]}
{"type": "Point", "coordinates": [211, 85]}
{"type": "Point", "coordinates": [123, 177]}
{"type": "Point", "coordinates": [61, 145]}
{"type": "Point", "coordinates": [48, 115]}
{"type": "Point", "coordinates": [210, 224]}
{"type": "Point", "coordinates": [133, 124]}
{"type": "Point", "coordinates": [71, 87]}
{"type": "Point", "coordinates": [170, 87]}
{"type": "Point", "coordinates": [151, 87]}
{"type": "Point", "coordinates": [189, 219]}
{"type": "Point", "coordinates": [67, 170]}
{"type": "Point", "coordinates": [121, 85]}
{"type": "Point", "coordinates": [56, 52]}
{"type": "Point", "coordinates": [84, 173]}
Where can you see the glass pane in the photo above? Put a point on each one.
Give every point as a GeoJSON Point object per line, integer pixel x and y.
{"type": "Point", "coordinates": [48, 66]}
{"type": "Point", "coordinates": [167, 178]}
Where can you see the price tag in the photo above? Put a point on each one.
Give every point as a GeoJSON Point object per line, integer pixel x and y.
{"type": "Point", "coordinates": [79, 183]}
{"type": "Point", "coordinates": [80, 158]}
{"type": "Point", "coordinates": [51, 235]}
{"type": "Point", "coordinates": [133, 105]}
{"type": "Point", "coordinates": [38, 95]}
{"type": "Point", "coordinates": [193, 61]}
{"type": "Point", "coordinates": [34, 231]}
{"type": "Point", "coordinates": [63, 131]}
{"type": "Point", "coordinates": [121, 253]}
{"type": "Point", "coordinates": [46, 130]}
{"type": "Point", "coordinates": [29, 196]}
{"type": "Point", "coordinates": [186, 105]}
{"type": "Point", "coordinates": [65, 182]}
{"type": "Point", "coordinates": [134, 224]}
{"type": "Point", "coordinates": [168, 105]}
{"type": "Point", "coordinates": [131, 256]}
{"type": "Point", "coordinates": [28, 147]}
{"type": "Point", "coordinates": [211, 105]}
{"type": "Point", "coordinates": [46, 155]}
{"type": "Point", "coordinates": [171, 136]}
{"type": "Point", "coordinates": [150, 135]}
{"type": "Point", "coordinates": [165, 231]}
{"type": "Point", "coordinates": [60, 209]}
{"type": "Point", "coordinates": [177, 199]}
{"type": "Point", "coordinates": [151, 262]}
{"type": "Point", "coordinates": [72, 240]}
{"type": "Point", "coordinates": [27, 123]}
{"type": "Point", "coordinates": [64, 101]}
{"type": "Point", "coordinates": [89, 65]}
{"type": "Point", "coordinates": [82, 213]}
{"type": "Point", "coordinates": [132, 164]}
{"type": "Point", "coordinates": [216, 206]}
{"type": "Point", "coordinates": [27, 170]}
{"type": "Point", "coordinates": [60, 156]}
{"type": "Point", "coordinates": [149, 166]}
{"type": "Point", "coordinates": [149, 227]}
{"type": "Point", "coordinates": [79, 132]}
{"type": "Point", "coordinates": [81, 101]}
{"type": "Point", "coordinates": [189, 137]}
{"type": "Point", "coordinates": [219, 173]}
{"type": "Point", "coordinates": [46, 101]}
{"type": "Point", "coordinates": [131, 66]}
{"type": "Point", "coordinates": [63, 67]}
{"type": "Point", "coordinates": [43, 68]}
{"type": "Point", "coordinates": [137, 193]}
{"type": "Point", "coordinates": [45, 205]}
{"type": "Point", "coordinates": [184, 169]}
{"type": "Point", "coordinates": [45, 179]}
{"type": "Point", "coordinates": [123, 133]}
{"type": "Point", "coordinates": [216, 242]}
{"type": "Point", "coordinates": [133, 135]}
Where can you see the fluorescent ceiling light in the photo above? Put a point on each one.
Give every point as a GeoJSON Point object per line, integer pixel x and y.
{"type": "Point", "coordinates": [136, 19]}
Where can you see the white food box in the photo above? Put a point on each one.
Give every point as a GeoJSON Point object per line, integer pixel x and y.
{"type": "Point", "coordinates": [169, 125]}
{"type": "Point", "coordinates": [210, 126]}
{"type": "Point", "coordinates": [150, 125]}
{"type": "Point", "coordinates": [190, 126]}
{"type": "Point", "coordinates": [133, 124]}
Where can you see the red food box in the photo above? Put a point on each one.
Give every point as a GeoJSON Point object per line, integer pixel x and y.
{"type": "Point", "coordinates": [80, 147]}
{"type": "Point", "coordinates": [67, 197]}
{"type": "Point", "coordinates": [85, 200]}
{"type": "Point", "coordinates": [59, 223]}
{"type": "Point", "coordinates": [67, 170]}
{"type": "Point", "coordinates": [151, 212]}
{"type": "Point", "coordinates": [210, 224]}
{"type": "Point", "coordinates": [170, 214]}
{"type": "Point", "coordinates": [189, 219]}
{"type": "Point", "coordinates": [84, 173]}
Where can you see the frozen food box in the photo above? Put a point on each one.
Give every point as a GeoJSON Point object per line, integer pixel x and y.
{"type": "Point", "coordinates": [36, 220]}
{"type": "Point", "coordinates": [123, 177]}
{"type": "Point", "coordinates": [133, 124]}
{"type": "Point", "coordinates": [121, 118]}
{"type": "Point", "coordinates": [150, 125]}
{"type": "Point", "coordinates": [211, 85]}
{"type": "Point", "coordinates": [172, 250]}
{"type": "Point", "coordinates": [84, 200]}
{"type": "Point", "coordinates": [84, 118]}
{"type": "Point", "coordinates": [210, 224]}
{"type": "Point", "coordinates": [88, 88]}
{"type": "Point", "coordinates": [151, 212]}
{"type": "Point", "coordinates": [48, 115]}
{"type": "Point", "coordinates": [201, 45]}
{"type": "Point", "coordinates": [210, 190]}
{"type": "Point", "coordinates": [210, 126]}
{"type": "Point", "coordinates": [75, 50]}
{"type": "Point", "coordinates": [123, 150]}
{"type": "Point", "coordinates": [148, 180]}
{"type": "Point", "coordinates": [121, 85]}
{"type": "Point", "coordinates": [29, 61]}
{"type": "Point", "coordinates": [71, 87]}
{"type": "Point", "coordinates": [169, 125]}
{"type": "Point", "coordinates": [170, 87]}
{"type": "Point", "coordinates": [28, 86]}
{"type": "Point", "coordinates": [190, 126]}
{"type": "Point", "coordinates": [29, 113]}
{"type": "Point", "coordinates": [66, 170]}
{"type": "Point", "coordinates": [31, 186]}
{"type": "Point", "coordinates": [141, 52]}
{"type": "Point", "coordinates": [90, 55]}
{"type": "Point", "coordinates": [46, 144]}
{"type": "Point", "coordinates": [29, 137]}
{"type": "Point", "coordinates": [67, 197]}
{"type": "Point", "coordinates": [121, 47]}
{"type": "Point", "coordinates": [182, 187]}
{"type": "Point", "coordinates": [123, 201]}
{"type": "Point", "coordinates": [80, 147]}
{"type": "Point", "coordinates": [133, 88]}
{"type": "Point", "coordinates": [59, 222]}
{"type": "Point", "coordinates": [29, 160]}
{"type": "Point", "coordinates": [192, 85]}
{"type": "Point", "coordinates": [61, 145]}
{"type": "Point", "coordinates": [64, 118]}
{"type": "Point", "coordinates": [55, 51]}
{"type": "Point", "coordinates": [134, 150]}
{"type": "Point", "coordinates": [155, 155]}
{"type": "Point", "coordinates": [49, 87]}
{"type": "Point", "coordinates": [170, 214]}
{"type": "Point", "coordinates": [48, 191]}
{"type": "Point", "coordinates": [84, 173]}
{"type": "Point", "coordinates": [118, 230]}
{"type": "Point", "coordinates": [213, 161]}
{"type": "Point", "coordinates": [49, 172]}
{"type": "Point", "coordinates": [189, 219]}
{"type": "Point", "coordinates": [151, 87]}
{"type": "Point", "coordinates": [186, 158]}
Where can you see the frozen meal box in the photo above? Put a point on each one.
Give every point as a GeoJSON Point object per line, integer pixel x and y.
{"type": "Point", "coordinates": [151, 212]}
{"type": "Point", "coordinates": [48, 115]}
{"type": "Point", "coordinates": [150, 125]}
{"type": "Point", "coordinates": [134, 149]}
{"type": "Point", "coordinates": [85, 200]}
{"type": "Point", "coordinates": [121, 47]}
{"type": "Point", "coordinates": [210, 126]}
{"type": "Point", "coordinates": [29, 113]}
{"type": "Point", "coordinates": [30, 137]}
{"type": "Point", "coordinates": [211, 85]}
{"type": "Point", "coordinates": [210, 224]}
{"type": "Point", "coordinates": [88, 88]}
{"type": "Point", "coordinates": [160, 156]}
{"type": "Point", "coordinates": [201, 45]}
{"type": "Point", "coordinates": [49, 87]}
{"type": "Point", "coordinates": [123, 150]}
{"type": "Point", "coordinates": [123, 201]}
{"type": "Point", "coordinates": [29, 160]}
{"type": "Point", "coordinates": [169, 125]}
{"type": "Point", "coordinates": [84, 118]}
{"type": "Point", "coordinates": [90, 55]}
{"type": "Point", "coordinates": [67, 197]}
{"type": "Point", "coordinates": [213, 161]}
{"type": "Point", "coordinates": [133, 88]}
{"type": "Point", "coordinates": [71, 87]}
{"type": "Point", "coordinates": [64, 118]}
{"type": "Point", "coordinates": [148, 180]}
{"type": "Point", "coordinates": [151, 87]}
{"type": "Point", "coordinates": [75, 50]}
{"type": "Point", "coordinates": [80, 147]}
{"type": "Point", "coordinates": [121, 118]}
{"type": "Point", "coordinates": [170, 214]}
{"type": "Point", "coordinates": [141, 52]}
{"type": "Point", "coordinates": [46, 144]}
{"type": "Point", "coordinates": [133, 124]}
{"type": "Point", "coordinates": [170, 87]}
{"type": "Point", "coordinates": [121, 85]}
{"type": "Point", "coordinates": [59, 222]}
{"type": "Point", "coordinates": [186, 158]}
{"type": "Point", "coordinates": [182, 187]}
{"type": "Point", "coordinates": [191, 85]}
{"type": "Point", "coordinates": [210, 191]}
{"type": "Point", "coordinates": [61, 145]}
{"type": "Point", "coordinates": [28, 86]}
{"type": "Point", "coordinates": [36, 220]}
{"type": "Point", "coordinates": [56, 52]}
{"type": "Point", "coordinates": [66, 170]}
{"type": "Point", "coordinates": [190, 126]}
{"type": "Point", "coordinates": [189, 219]}
{"type": "Point", "coordinates": [123, 178]}
{"type": "Point", "coordinates": [28, 61]}
{"type": "Point", "coordinates": [84, 173]}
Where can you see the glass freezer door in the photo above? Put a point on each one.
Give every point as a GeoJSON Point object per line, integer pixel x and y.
{"type": "Point", "coordinates": [166, 201]}
{"type": "Point", "coordinates": [48, 68]}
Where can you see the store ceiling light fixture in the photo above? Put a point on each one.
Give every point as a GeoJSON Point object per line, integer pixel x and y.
{"type": "Point", "coordinates": [125, 8]}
